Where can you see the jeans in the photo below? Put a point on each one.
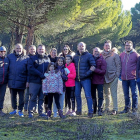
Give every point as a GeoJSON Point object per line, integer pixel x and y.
{"type": "Point", "coordinates": [2, 95]}
{"type": "Point", "coordinates": [61, 101]}
{"type": "Point", "coordinates": [86, 84]}
{"type": "Point", "coordinates": [132, 84]}
{"type": "Point", "coordinates": [99, 88]}
{"type": "Point", "coordinates": [14, 98]}
{"type": "Point", "coordinates": [36, 91]}
{"type": "Point", "coordinates": [138, 83]}
{"type": "Point", "coordinates": [50, 100]}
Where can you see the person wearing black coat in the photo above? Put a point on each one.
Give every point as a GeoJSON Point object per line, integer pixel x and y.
{"type": "Point", "coordinates": [4, 64]}
{"type": "Point", "coordinates": [85, 65]}
{"type": "Point", "coordinates": [37, 66]}
{"type": "Point", "coordinates": [17, 78]}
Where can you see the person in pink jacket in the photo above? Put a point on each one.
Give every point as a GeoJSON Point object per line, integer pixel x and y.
{"type": "Point", "coordinates": [70, 85]}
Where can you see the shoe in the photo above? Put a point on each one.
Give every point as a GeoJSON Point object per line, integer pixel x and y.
{"type": "Point", "coordinates": [134, 111]}
{"type": "Point", "coordinates": [20, 113]}
{"type": "Point", "coordinates": [30, 115]}
{"type": "Point", "coordinates": [68, 113]}
{"type": "Point", "coordinates": [73, 113]}
{"type": "Point", "coordinates": [90, 115]}
{"type": "Point", "coordinates": [78, 113]}
{"type": "Point", "coordinates": [114, 112]}
{"type": "Point", "coordinates": [43, 115]}
{"type": "Point", "coordinates": [125, 111]}
{"type": "Point", "coordinates": [13, 112]}
{"type": "Point", "coordinates": [2, 113]}
{"type": "Point", "coordinates": [60, 112]}
{"type": "Point", "coordinates": [49, 112]}
{"type": "Point", "coordinates": [99, 113]}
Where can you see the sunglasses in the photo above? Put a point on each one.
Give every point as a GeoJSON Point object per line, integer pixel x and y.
{"type": "Point", "coordinates": [2, 51]}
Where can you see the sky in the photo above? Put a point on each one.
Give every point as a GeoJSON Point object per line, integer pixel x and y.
{"type": "Point", "coordinates": [127, 4]}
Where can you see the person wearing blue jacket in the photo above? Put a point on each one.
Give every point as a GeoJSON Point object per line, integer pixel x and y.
{"type": "Point", "coordinates": [17, 78]}
{"type": "Point", "coordinates": [37, 66]}
{"type": "Point", "coordinates": [4, 64]}
{"type": "Point", "coordinates": [85, 65]}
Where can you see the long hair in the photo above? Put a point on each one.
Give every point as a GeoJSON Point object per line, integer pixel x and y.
{"type": "Point", "coordinates": [50, 64]}
{"type": "Point", "coordinates": [69, 50]}
{"type": "Point", "coordinates": [62, 58]}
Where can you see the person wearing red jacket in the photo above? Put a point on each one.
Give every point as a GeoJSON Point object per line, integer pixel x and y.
{"type": "Point", "coordinates": [98, 80]}
{"type": "Point", "coordinates": [70, 85]}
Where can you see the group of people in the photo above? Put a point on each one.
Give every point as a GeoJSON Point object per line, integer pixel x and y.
{"type": "Point", "coordinates": [40, 79]}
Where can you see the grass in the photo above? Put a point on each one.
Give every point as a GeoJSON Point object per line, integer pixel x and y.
{"type": "Point", "coordinates": [106, 127]}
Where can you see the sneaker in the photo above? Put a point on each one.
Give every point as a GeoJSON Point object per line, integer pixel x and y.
{"type": "Point", "coordinates": [20, 113]}
{"type": "Point", "coordinates": [125, 111]}
{"type": "Point", "coordinates": [13, 112]}
{"type": "Point", "coordinates": [55, 115]}
{"type": "Point", "coordinates": [90, 115]}
{"type": "Point", "coordinates": [2, 113]}
{"type": "Point", "coordinates": [49, 112]}
{"type": "Point", "coordinates": [73, 113]}
{"type": "Point", "coordinates": [114, 112]}
{"type": "Point", "coordinates": [30, 115]}
{"type": "Point", "coordinates": [68, 113]}
{"type": "Point", "coordinates": [61, 114]}
{"type": "Point", "coordinates": [78, 113]}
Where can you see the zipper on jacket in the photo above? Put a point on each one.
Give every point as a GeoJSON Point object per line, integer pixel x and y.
{"type": "Point", "coordinates": [78, 68]}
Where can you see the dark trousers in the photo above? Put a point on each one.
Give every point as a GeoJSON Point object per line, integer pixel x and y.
{"type": "Point", "coordinates": [2, 95]}
{"type": "Point", "coordinates": [99, 88]}
{"type": "Point", "coordinates": [46, 99]}
{"type": "Point", "coordinates": [50, 100]}
{"type": "Point", "coordinates": [66, 104]}
{"type": "Point", "coordinates": [70, 93]}
{"type": "Point", "coordinates": [14, 93]}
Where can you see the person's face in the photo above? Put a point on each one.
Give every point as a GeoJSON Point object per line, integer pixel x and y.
{"type": "Point", "coordinates": [18, 49]}
{"type": "Point", "coordinates": [66, 50]}
{"type": "Point", "coordinates": [2, 53]}
{"type": "Point", "coordinates": [53, 53]}
{"type": "Point", "coordinates": [32, 50]}
{"type": "Point", "coordinates": [51, 68]}
{"type": "Point", "coordinates": [96, 52]}
{"type": "Point", "coordinates": [60, 62]}
{"type": "Point", "coordinates": [107, 47]}
{"type": "Point", "coordinates": [68, 60]}
{"type": "Point", "coordinates": [128, 46]}
{"type": "Point", "coordinates": [81, 48]}
{"type": "Point", "coordinates": [41, 50]}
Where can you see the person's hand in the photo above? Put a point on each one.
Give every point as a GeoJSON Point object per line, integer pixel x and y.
{"type": "Point", "coordinates": [92, 68]}
{"type": "Point", "coordinates": [27, 85]}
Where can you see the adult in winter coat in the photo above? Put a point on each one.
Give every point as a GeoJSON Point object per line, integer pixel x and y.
{"type": "Point", "coordinates": [111, 77]}
{"type": "Point", "coordinates": [53, 55]}
{"type": "Point", "coordinates": [98, 80]}
{"type": "Point", "coordinates": [17, 78]}
{"type": "Point", "coordinates": [4, 64]}
{"type": "Point", "coordinates": [37, 67]}
{"type": "Point", "coordinates": [128, 75]}
{"type": "Point", "coordinates": [85, 65]}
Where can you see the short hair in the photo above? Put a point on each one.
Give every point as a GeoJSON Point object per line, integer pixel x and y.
{"type": "Point", "coordinates": [41, 45]}
{"type": "Point", "coordinates": [19, 44]}
{"type": "Point", "coordinates": [32, 46]}
{"type": "Point", "coordinates": [128, 41]}
{"type": "Point", "coordinates": [108, 41]}
{"type": "Point", "coordinates": [98, 49]}
{"type": "Point", "coordinates": [53, 49]}
{"type": "Point", "coordinates": [81, 43]}
{"type": "Point", "coordinates": [69, 56]}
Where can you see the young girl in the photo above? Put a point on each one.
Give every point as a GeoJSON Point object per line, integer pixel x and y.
{"type": "Point", "coordinates": [70, 85]}
{"type": "Point", "coordinates": [60, 67]}
{"type": "Point", "coordinates": [53, 86]}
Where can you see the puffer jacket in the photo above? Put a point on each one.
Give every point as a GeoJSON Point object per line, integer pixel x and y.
{"type": "Point", "coordinates": [4, 64]}
{"type": "Point", "coordinates": [71, 76]}
{"type": "Point", "coordinates": [129, 64]}
{"type": "Point", "coordinates": [52, 59]}
{"type": "Point", "coordinates": [37, 66]}
{"type": "Point", "coordinates": [100, 70]}
{"type": "Point", "coordinates": [17, 71]}
{"type": "Point", "coordinates": [83, 63]}
{"type": "Point", "coordinates": [113, 65]}
{"type": "Point", "coordinates": [52, 83]}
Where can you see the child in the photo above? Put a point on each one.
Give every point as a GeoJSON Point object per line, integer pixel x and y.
{"type": "Point", "coordinates": [53, 86]}
{"type": "Point", "coordinates": [60, 67]}
{"type": "Point", "coordinates": [70, 85]}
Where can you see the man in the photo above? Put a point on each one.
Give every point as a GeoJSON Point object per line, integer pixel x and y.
{"type": "Point", "coordinates": [17, 78]}
{"type": "Point", "coordinates": [111, 77]}
{"type": "Point", "coordinates": [84, 63]}
{"type": "Point", "coordinates": [128, 75]}
{"type": "Point", "coordinates": [4, 64]}
{"type": "Point", "coordinates": [98, 80]}
{"type": "Point", "coordinates": [38, 65]}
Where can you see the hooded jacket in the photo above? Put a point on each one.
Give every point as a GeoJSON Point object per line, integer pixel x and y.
{"type": "Point", "coordinates": [129, 63]}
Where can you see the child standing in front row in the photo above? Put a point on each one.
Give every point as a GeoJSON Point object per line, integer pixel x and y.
{"type": "Point", "coordinates": [53, 86]}
{"type": "Point", "coordinates": [60, 67]}
{"type": "Point", "coordinates": [70, 85]}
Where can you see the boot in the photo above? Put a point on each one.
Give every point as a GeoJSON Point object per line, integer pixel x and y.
{"type": "Point", "coordinates": [49, 112]}
{"type": "Point", "coordinates": [46, 107]}
{"type": "Point", "coordinates": [61, 114]}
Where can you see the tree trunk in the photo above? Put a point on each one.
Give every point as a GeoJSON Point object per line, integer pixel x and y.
{"type": "Point", "coordinates": [30, 38]}
{"type": "Point", "coordinates": [18, 35]}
